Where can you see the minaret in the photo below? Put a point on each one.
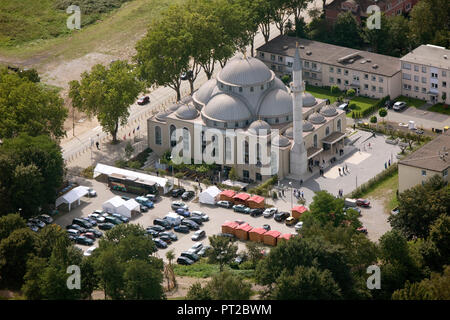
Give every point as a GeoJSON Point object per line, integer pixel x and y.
{"type": "Point", "coordinates": [298, 157]}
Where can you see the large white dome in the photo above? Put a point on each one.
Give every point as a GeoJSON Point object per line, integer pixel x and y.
{"type": "Point", "coordinates": [242, 71]}
{"type": "Point", "coordinates": [225, 107]}
{"type": "Point", "coordinates": [203, 94]}
{"type": "Point", "coordinates": [276, 103]}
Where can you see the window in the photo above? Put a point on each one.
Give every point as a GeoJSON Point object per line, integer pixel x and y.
{"type": "Point", "coordinates": [186, 138]}
{"type": "Point", "coordinates": [366, 76]}
{"type": "Point", "coordinates": [261, 54]}
{"type": "Point", "coordinates": [424, 90]}
{"type": "Point", "coordinates": [444, 73]}
{"type": "Point", "coordinates": [258, 176]}
{"type": "Point", "coordinates": [173, 138]}
{"type": "Point", "coordinates": [280, 68]}
{"type": "Point", "coordinates": [424, 172]}
{"type": "Point", "coordinates": [240, 89]}
{"type": "Point", "coordinates": [315, 141]}
{"type": "Point", "coordinates": [262, 87]}
{"type": "Point", "coordinates": [445, 173]}
{"type": "Point", "coordinates": [424, 69]}
{"type": "Point", "coordinates": [314, 65]}
{"type": "Point", "coordinates": [158, 139]}
{"type": "Point", "coordinates": [246, 174]}
{"type": "Point", "coordinates": [280, 59]}
{"type": "Point", "coordinates": [416, 68]}
{"type": "Point", "coordinates": [424, 80]}
{"type": "Point", "coordinates": [230, 88]}
{"type": "Point", "coordinates": [374, 78]}
{"type": "Point", "coordinates": [355, 78]}
{"type": "Point", "coordinates": [366, 87]}
{"type": "Point", "coordinates": [444, 84]}
{"type": "Point", "coordinates": [251, 89]}
{"type": "Point", "coordinates": [380, 89]}
{"type": "Point", "coordinates": [346, 72]}
{"type": "Point", "coordinates": [272, 57]}
{"type": "Point", "coordinates": [221, 86]}
{"type": "Point", "coordinates": [399, 12]}
{"type": "Point", "coordinates": [374, 88]}
{"type": "Point", "coordinates": [339, 70]}
{"type": "Point", "coordinates": [331, 79]}
{"type": "Point", "coordinates": [380, 79]}
{"type": "Point", "coordinates": [236, 124]}
{"type": "Point", "coordinates": [338, 81]}
{"type": "Point", "coordinates": [406, 76]}
{"type": "Point", "coordinates": [406, 86]}
{"type": "Point", "coordinates": [246, 152]}
{"type": "Point", "coordinates": [434, 85]}
{"type": "Point", "coordinates": [327, 131]}
{"type": "Point", "coordinates": [306, 74]}
{"type": "Point", "coordinates": [416, 88]}
{"type": "Point", "coordinates": [306, 64]}
{"type": "Point", "coordinates": [416, 78]}
{"type": "Point", "coordinates": [408, 6]}
{"type": "Point", "coordinates": [313, 75]}
{"type": "Point", "coordinates": [434, 75]}
{"type": "Point", "coordinates": [346, 82]}
{"type": "Point", "coordinates": [227, 148]}
{"type": "Point", "coordinates": [406, 66]}
{"type": "Point", "coordinates": [290, 64]}
{"type": "Point", "coordinates": [339, 125]}
{"type": "Point", "coordinates": [331, 69]}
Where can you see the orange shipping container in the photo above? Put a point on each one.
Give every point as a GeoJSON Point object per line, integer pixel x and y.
{"type": "Point", "coordinates": [227, 195]}
{"type": "Point", "coordinates": [257, 234]}
{"type": "Point", "coordinates": [270, 237]}
{"type": "Point", "coordinates": [256, 202]}
{"type": "Point", "coordinates": [241, 198]}
{"type": "Point", "coordinates": [298, 211]}
{"type": "Point", "coordinates": [242, 231]}
{"type": "Point", "coordinates": [229, 227]}
{"type": "Point", "coordinates": [283, 238]}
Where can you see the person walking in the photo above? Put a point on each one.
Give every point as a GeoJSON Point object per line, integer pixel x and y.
{"type": "Point", "coordinates": [302, 195]}
{"type": "Point", "coordinates": [385, 165]}
{"type": "Point", "coordinates": [339, 171]}
{"type": "Point", "coordinates": [389, 162]}
{"type": "Point", "coordinates": [97, 144]}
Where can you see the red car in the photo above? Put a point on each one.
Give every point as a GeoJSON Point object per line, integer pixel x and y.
{"type": "Point", "coordinates": [143, 100]}
{"type": "Point", "coordinates": [362, 230]}
{"type": "Point", "coordinates": [89, 235]}
{"type": "Point", "coordinates": [363, 203]}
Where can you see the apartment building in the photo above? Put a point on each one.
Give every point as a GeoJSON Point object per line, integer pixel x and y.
{"type": "Point", "coordinates": [370, 74]}
{"type": "Point", "coordinates": [426, 74]}
{"type": "Point", "coordinates": [359, 8]}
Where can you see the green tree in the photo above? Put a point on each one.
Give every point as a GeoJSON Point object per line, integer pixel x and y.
{"type": "Point", "coordinates": [30, 74]}
{"type": "Point", "coordinates": [350, 93]}
{"type": "Point", "coordinates": [9, 223]}
{"type": "Point", "coordinates": [109, 270]}
{"type": "Point", "coordinates": [347, 31]}
{"type": "Point", "coordinates": [107, 93]}
{"type": "Point", "coordinates": [306, 283]}
{"type": "Point", "coordinates": [129, 150]}
{"type": "Point", "coordinates": [28, 107]}
{"type": "Point", "coordinates": [440, 236]}
{"type": "Point", "coordinates": [373, 119]}
{"type": "Point", "coordinates": [32, 279]}
{"type": "Point", "coordinates": [222, 251]}
{"type": "Point", "coordinates": [227, 286]}
{"type": "Point", "coordinates": [325, 207]}
{"type": "Point", "coordinates": [196, 292]}
{"type": "Point", "coordinates": [142, 281]}
{"type": "Point", "coordinates": [382, 113]}
{"type": "Point", "coordinates": [232, 174]}
{"type": "Point", "coordinates": [254, 252]}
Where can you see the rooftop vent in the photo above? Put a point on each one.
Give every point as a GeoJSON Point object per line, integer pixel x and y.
{"type": "Point", "coordinates": [363, 61]}
{"type": "Point", "coordinates": [285, 47]}
{"type": "Point", "coordinates": [349, 57]}
{"type": "Point", "coordinates": [369, 60]}
{"type": "Point", "coordinates": [445, 56]}
{"type": "Point", "coordinates": [308, 53]}
{"type": "Point", "coordinates": [302, 46]}
{"type": "Point", "coordinates": [375, 66]}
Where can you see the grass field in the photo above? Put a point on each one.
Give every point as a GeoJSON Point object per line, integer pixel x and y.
{"type": "Point", "coordinates": [362, 103]}
{"type": "Point", "coordinates": [201, 269]}
{"type": "Point", "coordinates": [411, 102]}
{"type": "Point", "coordinates": [440, 108]}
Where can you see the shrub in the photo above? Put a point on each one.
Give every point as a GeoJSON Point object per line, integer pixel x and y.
{"type": "Point", "coordinates": [247, 265]}
{"type": "Point", "coordinates": [335, 90]}
{"type": "Point", "coordinates": [206, 182]}
{"type": "Point", "coordinates": [134, 164]}
{"type": "Point", "coordinates": [88, 172]}
{"type": "Point", "coordinates": [350, 92]}
{"type": "Point", "coordinates": [373, 119]}
{"type": "Point", "coordinates": [352, 106]}
{"type": "Point", "coordinates": [274, 195]}
{"type": "Point", "coordinates": [120, 163]}
{"type": "Point", "coordinates": [162, 172]}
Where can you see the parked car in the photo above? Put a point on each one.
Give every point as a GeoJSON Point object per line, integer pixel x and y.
{"type": "Point", "coordinates": [362, 230]}
{"type": "Point", "coordinates": [399, 106]}
{"type": "Point", "coordinates": [82, 223]}
{"type": "Point", "coordinates": [163, 223]}
{"type": "Point", "coordinates": [190, 224]}
{"type": "Point", "coordinates": [352, 208]}
{"type": "Point", "coordinates": [85, 241]}
{"type": "Point", "coordinates": [157, 228]}
{"type": "Point", "coordinates": [97, 217]}
{"type": "Point", "coordinates": [181, 228]}
{"type": "Point", "coordinates": [90, 220]}
{"type": "Point", "coordinates": [33, 227]}
{"type": "Point", "coordinates": [143, 100]}
{"type": "Point", "coordinates": [165, 238]}
{"type": "Point", "coordinates": [152, 197]}
{"type": "Point", "coordinates": [196, 247]}
{"type": "Point", "coordinates": [256, 212]}
{"type": "Point", "coordinates": [241, 208]}
{"type": "Point", "coordinates": [203, 250]}
{"type": "Point", "coordinates": [121, 217]}
{"type": "Point", "coordinates": [106, 226]}
{"type": "Point", "coordinates": [199, 234]}
{"type": "Point", "coordinates": [395, 210]}
{"type": "Point", "coordinates": [143, 208]}
{"type": "Point", "coordinates": [226, 235]}
{"type": "Point", "coordinates": [389, 104]}
{"type": "Point", "coordinates": [290, 221]}
{"type": "Point", "coordinates": [89, 251]}
{"type": "Point", "coordinates": [266, 227]}
{"type": "Point", "coordinates": [45, 218]}
{"type": "Point", "coordinates": [269, 212]}
{"type": "Point", "coordinates": [184, 261]}
{"type": "Point", "coordinates": [37, 222]}
{"type": "Point", "coordinates": [188, 195]}
{"type": "Point", "coordinates": [281, 216]}
{"type": "Point", "coordinates": [97, 233]}
{"type": "Point", "coordinates": [197, 220]}
{"type": "Point", "coordinates": [240, 258]}
{"type": "Point", "coordinates": [76, 227]}
{"type": "Point", "coordinates": [224, 204]}
{"type": "Point", "coordinates": [298, 226]}
{"type": "Point", "coordinates": [177, 192]}
{"type": "Point", "coordinates": [170, 234]}
{"type": "Point", "coordinates": [190, 255]}
{"type": "Point", "coordinates": [152, 232]}
{"type": "Point", "coordinates": [89, 235]}
{"type": "Point", "coordinates": [183, 213]}
{"type": "Point", "coordinates": [125, 198]}
{"type": "Point", "coordinates": [113, 220]}
{"type": "Point", "coordinates": [179, 205]}
{"type": "Point", "coordinates": [73, 232]}
{"type": "Point", "coordinates": [344, 107]}
{"type": "Point", "coordinates": [144, 201]}
{"type": "Point", "coordinates": [91, 193]}
{"type": "Point", "coordinates": [200, 214]}
{"type": "Point", "coordinates": [363, 203]}
{"type": "Point", "coordinates": [160, 243]}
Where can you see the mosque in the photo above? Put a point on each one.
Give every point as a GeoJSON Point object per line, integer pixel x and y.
{"type": "Point", "coordinates": [248, 119]}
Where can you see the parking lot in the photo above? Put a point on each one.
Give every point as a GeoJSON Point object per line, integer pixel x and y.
{"type": "Point", "coordinates": [217, 216]}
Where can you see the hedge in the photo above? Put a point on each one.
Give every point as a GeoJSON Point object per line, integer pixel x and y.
{"type": "Point", "coordinates": [379, 178]}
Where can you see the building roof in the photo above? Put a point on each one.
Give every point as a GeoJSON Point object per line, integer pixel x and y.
{"type": "Point", "coordinates": [431, 156]}
{"type": "Point", "coordinates": [257, 199]}
{"type": "Point", "coordinates": [429, 55]}
{"type": "Point", "coordinates": [245, 71]}
{"type": "Point", "coordinates": [285, 236]}
{"type": "Point", "coordinates": [242, 196]}
{"type": "Point", "coordinates": [187, 112]}
{"type": "Point", "coordinates": [245, 227]}
{"type": "Point", "coordinates": [226, 107]}
{"type": "Point", "coordinates": [300, 209]}
{"type": "Point", "coordinates": [230, 224]}
{"type": "Point", "coordinates": [334, 137]}
{"type": "Point", "coordinates": [279, 98]}
{"type": "Point", "coordinates": [272, 233]}
{"type": "Point", "coordinates": [257, 126]}
{"type": "Point", "coordinates": [228, 193]}
{"type": "Point", "coordinates": [321, 52]}
{"type": "Point", "coordinates": [258, 230]}
{"type": "Point", "coordinates": [73, 195]}
{"type": "Point", "coordinates": [116, 201]}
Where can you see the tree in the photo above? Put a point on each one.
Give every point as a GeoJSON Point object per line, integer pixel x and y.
{"type": "Point", "coordinates": [222, 251]}
{"type": "Point", "coordinates": [373, 119]}
{"type": "Point", "coordinates": [335, 90]}
{"type": "Point", "coordinates": [377, 38]}
{"type": "Point", "coordinates": [10, 223]}
{"type": "Point", "coordinates": [129, 150]}
{"type": "Point", "coordinates": [28, 107]}
{"type": "Point", "coordinates": [109, 270]}
{"type": "Point", "coordinates": [306, 283]}
{"type": "Point", "coordinates": [30, 74]}
{"type": "Point", "coordinates": [254, 252]}
{"type": "Point", "coordinates": [29, 165]}
{"type": "Point", "coordinates": [440, 236]}
{"type": "Point", "coordinates": [107, 93]}
{"type": "Point", "coordinates": [196, 292]}
{"type": "Point", "coordinates": [325, 207]}
{"type": "Point", "coordinates": [280, 14]}
{"type": "Point", "coordinates": [382, 113]}
{"type": "Point", "coordinates": [142, 281]}
{"type": "Point", "coordinates": [347, 31]}
{"type": "Point", "coordinates": [350, 93]}
{"type": "Point", "coordinates": [32, 279]}
{"type": "Point", "coordinates": [295, 7]}
{"type": "Point", "coordinates": [168, 272]}
{"type": "Point", "coordinates": [227, 286]}
{"type": "Point", "coordinates": [232, 174]}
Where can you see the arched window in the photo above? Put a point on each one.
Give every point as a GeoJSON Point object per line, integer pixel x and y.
{"type": "Point", "coordinates": [327, 131]}
{"type": "Point", "coordinates": [172, 135]}
{"type": "Point", "coordinates": [273, 163]}
{"type": "Point", "coordinates": [158, 139]}
{"type": "Point", "coordinates": [227, 148]}
{"type": "Point", "coordinates": [258, 153]}
{"type": "Point", "coordinates": [246, 151]}
{"type": "Point", "coordinates": [339, 125]}
{"type": "Point", "coordinates": [315, 141]}
{"type": "Point", "coordinates": [186, 138]}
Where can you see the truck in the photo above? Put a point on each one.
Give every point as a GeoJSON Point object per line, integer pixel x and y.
{"type": "Point", "coordinates": [174, 218]}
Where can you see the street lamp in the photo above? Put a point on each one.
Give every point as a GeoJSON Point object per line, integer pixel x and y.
{"type": "Point", "coordinates": [290, 184]}
{"type": "Point", "coordinates": [173, 180]}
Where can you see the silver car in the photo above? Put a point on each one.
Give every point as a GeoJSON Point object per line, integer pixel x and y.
{"type": "Point", "coordinates": [269, 212]}
{"type": "Point", "coordinates": [196, 247]}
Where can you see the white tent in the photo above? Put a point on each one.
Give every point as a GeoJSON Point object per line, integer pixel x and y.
{"type": "Point", "coordinates": [129, 207]}
{"type": "Point", "coordinates": [113, 204]}
{"type": "Point", "coordinates": [209, 195]}
{"type": "Point", "coordinates": [73, 195]}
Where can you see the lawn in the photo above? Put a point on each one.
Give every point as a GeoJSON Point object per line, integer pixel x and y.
{"type": "Point", "coordinates": [201, 269]}
{"type": "Point", "coordinates": [440, 108]}
{"type": "Point", "coordinates": [411, 102]}
{"type": "Point", "coordinates": [322, 93]}
{"type": "Point", "coordinates": [362, 103]}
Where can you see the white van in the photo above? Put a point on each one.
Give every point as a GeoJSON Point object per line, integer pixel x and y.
{"type": "Point", "coordinates": [173, 218]}
{"type": "Point", "coordinates": [73, 232]}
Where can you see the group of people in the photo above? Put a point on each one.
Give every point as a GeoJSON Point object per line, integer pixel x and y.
{"type": "Point", "coordinates": [344, 169]}
{"type": "Point", "coordinates": [387, 164]}
{"type": "Point", "coordinates": [299, 194]}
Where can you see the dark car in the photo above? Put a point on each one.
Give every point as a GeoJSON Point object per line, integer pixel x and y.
{"type": "Point", "coordinates": [353, 208]}
{"type": "Point", "coordinates": [37, 222]}
{"type": "Point", "coordinates": [362, 230]}
{"type": "Point", "coordinates": [89, 235]}
{"type": "Point", "coordinates": [106, 226]}
{"type": "Point", "coordinates": [125, 198]}
{"type": "Point", "coordinates": [197, 220]}
{"type": "Point", "coordinates": [256, 212]}
{"type": "Point", "coordinates": [190, 224]}
{"type": "Point", "coordinates": [76, 227]}
{"type": "Point", "coordinates": [165, 238]}
{"type": "Point", "coordinates": [45, 218]}
{"type": "Point", "coordinates": [152, 232]}
{"type": "Point", "coordinates": [190, 255]}
{"type": "Point", "coordinates": [163, 223]}
{"type": "Point", "coordinates": [177, 192]}
{"type": "Point", "coordinates": [33, 227]}
{"type": "Point", "coordinates": [171, 235]}
{"type": "Point", "coordinates": [226, 235]}
{"type": "Point", "coordinates": [183, 212]}
{"type": "Point", "coordinates": [157, 228]}
{"type": "Point", "coordinates": [188, 195]}
{"type": "Point", "coordinates": [143, 100]}
{"type": "Point", "coordinates": [224, 204]}
{"type": "Point", "coordinates": [84, 241]}
{"type": "Point", "coordinates": [82, 223]}
{"type": "Point", "coordinates": [389, 104]}
{"type": "Point", "coordinates": [113, 220]}
{"type": "Point", "coordinates": [151, 197]}
{"type": "Point", "coordinates": [97, 233]}
{"type": "Point", "coordinates": [184, 261]}
{"type": "Point", "coordinates": [91, 221]}
{"type": "Point", "coordinates": [266, 227]}
{"type": "Point", "coordinates": [200, 214]}
{"type": "Point", "coordinates": [363, 203]}
{"type": "Point", "coordinates": [181, 228]}
{"type": "Point", "coordinates": [281, 216]}
{"type": "Point", "coordinates": [160, 243]}
{"type": "Point", "coordinates": [121, 217]}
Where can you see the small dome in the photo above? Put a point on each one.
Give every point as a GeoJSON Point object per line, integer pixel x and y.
{"type": "Point", "coordinates": [307, 126]}
{"type": "Point", "coordinates": [226, 107]}
{"type": "Point", "coordinates": [186, 112]}
{"type": "Point", "coordinates": [242, 71]}
{"type": "Point", "coordinates": [203, 94]}
{"type": "Point", "coordinates": [328, 111]}
{"type": "Point", "coordinates": [289, 133]}
{"type": "Point", "coordinates": [280, 141]}
{"type": "Point", "coordinates": [174, 107]}
{"type": "Point", "coordinates": [257, 126]}
{"type": "Point", "coordinates": [162, 115]}
{"type": "Point", "coordinates": [308, 99]}
{"type": "Point", "coordinates": [276, 103]}
{"type": "Point", "coordinates": [186, 99]}
{"type": "Point", "coordinates": [277, 83]}
{"type": "Point", "coordinates": [316, 118]}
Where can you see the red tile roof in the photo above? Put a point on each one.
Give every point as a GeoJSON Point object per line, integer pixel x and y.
{"type": "Point", "coordinates": [257, 199]}
{"type": "Point", "coordinates": [245, 227]}
{"type": "Point", "coordinates": [242, 196]}
{"type": "Point", "coordinates": [228, 193]}
{"type": "Point", "coordinates": [259, 230]}
{"type": "Point", "coordinates": [300, 209]}
{"type": "Point", "coordinates": [273, 233]}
